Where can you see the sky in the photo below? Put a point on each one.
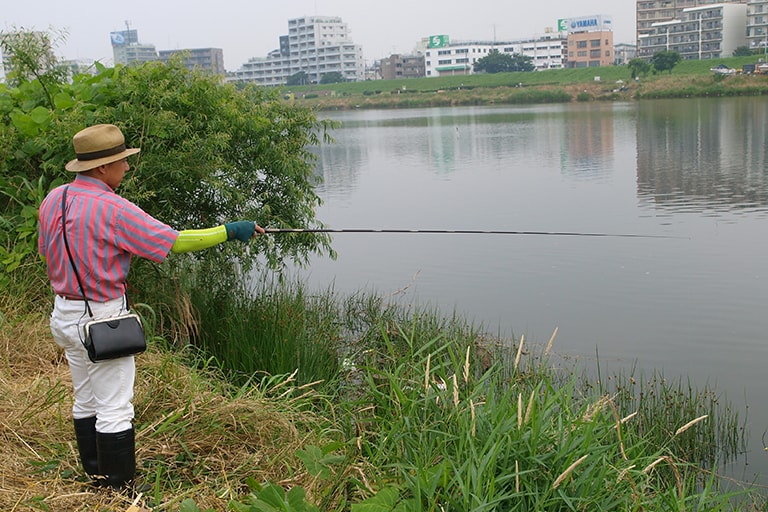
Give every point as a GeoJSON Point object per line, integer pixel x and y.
{"type": "Point", "coordinates": [245, 29]}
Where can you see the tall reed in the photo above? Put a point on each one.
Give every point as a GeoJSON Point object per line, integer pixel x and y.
{"type": "Point", "coordinates": [450, 418]}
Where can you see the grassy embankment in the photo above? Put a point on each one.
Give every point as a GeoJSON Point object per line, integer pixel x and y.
{"type": "Point", "coordinates": [688, 79]}
{"type": "Point", "coordinates": [419, 409]}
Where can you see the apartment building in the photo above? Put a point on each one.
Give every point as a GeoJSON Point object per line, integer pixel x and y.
{"type": "Point", "coordinates": [315, 45]}
{"type": "Point", "coordinates": [649, 12]}
{"type": "Point", "coordinates": [623, 53]}
{"type": "Point", "coordinates": [757, 24]}
{"type": "Point", "coordinates": [209, 60]}
{"type": "Point", "coordinates": [402, 66]}
{"type": "Point", "coordinates": [444, 58]}
{"type": "Point", "coordinates": [706, 32]}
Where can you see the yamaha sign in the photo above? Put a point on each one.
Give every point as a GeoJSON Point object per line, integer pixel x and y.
{"type": "Point", "coordinates": [585, 24]}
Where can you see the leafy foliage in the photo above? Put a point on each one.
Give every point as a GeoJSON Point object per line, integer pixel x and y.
{"type": "Point", "coordinates": [742, 51]}
{"type": "Point", "coordinates": [497, 62]}
{"type": "Point", "coordinates": [638, 67]}
{"type": "Point", "coordinates": [334, 77]}
{"type": "Point", "coordinates": [300, 78]}
{"type": "Point", "coordinates": [665, 61]}
{"type": "Point", "coordinates": [29, 56]}
{"type": "Point", "coordinates": [210, 152]}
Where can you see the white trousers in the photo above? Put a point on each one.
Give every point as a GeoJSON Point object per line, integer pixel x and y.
{"type": "Point", "coordinates": [103, 389]}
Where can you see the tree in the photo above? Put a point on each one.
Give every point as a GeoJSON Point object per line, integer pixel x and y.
{"type": "Point", "coordinates": [742, 51]}
{"type": "Point", "coordinates": [300, 78]}
{"type": "Point", "coordinates": [210, 152]}
{"type": "Point", "coordinates": [29, 56]}
{"type": "Point", "coordinates": [522, 63]}
{"type": "Point", "coordinates": [334, 77]}
{"type": "Point", "coordinates": [638, 67]}
{"type": "Point", "coordinates": [665, 61]}
{"type": "Point", "coordinates": [497, 62]}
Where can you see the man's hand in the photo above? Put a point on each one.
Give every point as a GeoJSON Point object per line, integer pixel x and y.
{"type": "Point", "coordinates": [242, 230]}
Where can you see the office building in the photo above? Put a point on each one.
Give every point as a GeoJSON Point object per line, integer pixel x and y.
{"type": "Point", "coordinates": [444, 58]}
{"type": "Point", "coordinates": [315, 45]}
{"type": "Point", "coordinates": [706, 32]}
{"type": "Point", "coordinates": [589, 41]}
{"type": "Point", "coordinates": [79, 67]}
{"type": "Point", "coordinates": [209, 60]}
{"type": "Point", "coordinates": [126, 48]}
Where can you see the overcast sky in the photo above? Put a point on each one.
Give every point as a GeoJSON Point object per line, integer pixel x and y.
{"type": "Point", "coordinates": [245, 29]}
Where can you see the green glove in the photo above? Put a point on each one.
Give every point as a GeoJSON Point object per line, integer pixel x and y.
{"type": "Point", "coordinates": [243, 230]}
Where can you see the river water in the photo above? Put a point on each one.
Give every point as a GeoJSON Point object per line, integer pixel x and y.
{"type": "Point", "coordinates": [691, 306]}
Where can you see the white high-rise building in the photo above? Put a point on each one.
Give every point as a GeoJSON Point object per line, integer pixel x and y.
{"type": "Point", "coordinates": [757, 24]}
{"type": "Point", "coordinates": [652, 14]}
{"type": "Point", "coordinates": [315, 45]}
{"type": "Point", "coordinates": [709, 31]}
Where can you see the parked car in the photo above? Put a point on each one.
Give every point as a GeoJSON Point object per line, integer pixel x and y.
{"type": "Point", "coordinates": [722, 69]}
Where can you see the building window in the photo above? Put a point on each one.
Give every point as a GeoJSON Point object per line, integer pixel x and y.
{"type": "Point", "coordinates": [581, 44]}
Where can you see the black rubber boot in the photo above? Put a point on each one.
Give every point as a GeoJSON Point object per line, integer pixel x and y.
{"type": "Point", "coordinates": [85, 433]}
{"type": "Point", "coordinates": [117, 457]}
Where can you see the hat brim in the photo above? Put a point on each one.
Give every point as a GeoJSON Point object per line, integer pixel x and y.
{"type": "Point", "coordinates": [86, 165]}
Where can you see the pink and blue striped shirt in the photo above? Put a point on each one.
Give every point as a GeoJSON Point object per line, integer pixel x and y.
{"type": "Point", "coordinates": [103, 230]}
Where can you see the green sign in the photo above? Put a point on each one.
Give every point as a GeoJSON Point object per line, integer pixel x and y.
{"type": "Point", "coordinates": [438, 41]}
{"type": "Point", "coordinates": [562, 25]}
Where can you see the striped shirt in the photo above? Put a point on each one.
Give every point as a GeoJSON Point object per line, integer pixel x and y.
{"type": "Point", "coordinates": [103, 230]}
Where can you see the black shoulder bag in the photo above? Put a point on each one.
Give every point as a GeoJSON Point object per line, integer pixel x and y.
{"type": "Point", "coordinates": [109, 338]}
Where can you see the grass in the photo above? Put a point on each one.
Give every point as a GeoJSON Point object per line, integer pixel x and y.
{"type": "Point", "coordinates": [688, 78]}
{"type": "Point", "coordinates": [415, 411]}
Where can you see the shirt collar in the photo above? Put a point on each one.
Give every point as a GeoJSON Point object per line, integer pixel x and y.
{"type": "Point", "coordinates": [92, 183]}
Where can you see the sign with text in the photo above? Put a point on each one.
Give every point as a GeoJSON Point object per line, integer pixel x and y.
{"type": "Point", "coordinates": [588, 24]}
{"type": "Point", "coordinates": [438, 41]}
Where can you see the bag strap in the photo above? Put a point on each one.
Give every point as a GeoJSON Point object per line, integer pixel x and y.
{"type": "Point", "coordinates": [69, 252]}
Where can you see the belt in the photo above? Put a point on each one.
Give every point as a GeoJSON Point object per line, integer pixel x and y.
{"type": "Point", "coordinates": [66, 297]}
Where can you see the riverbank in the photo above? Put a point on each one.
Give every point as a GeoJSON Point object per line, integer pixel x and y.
{"type": "Point", "coordinates": [609, 87]}
{"type": "Point", "coordinates": [424, 412]}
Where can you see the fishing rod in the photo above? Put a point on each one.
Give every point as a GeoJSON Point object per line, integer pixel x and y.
{"type": "Point", "coordinates": [460, 232]}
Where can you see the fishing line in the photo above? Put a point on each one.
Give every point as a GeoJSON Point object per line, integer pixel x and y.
{"type": "Point", "coordinates": [461, 232]}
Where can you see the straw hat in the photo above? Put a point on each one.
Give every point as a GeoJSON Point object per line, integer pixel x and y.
{"type": "Point", "coordinates": [97, 145]}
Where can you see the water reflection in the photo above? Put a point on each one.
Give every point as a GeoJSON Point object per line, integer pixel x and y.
{"type": "Point", "coordinates": [577, 140]}
{"type": "Point", "coordinates": [704, 154]}
{"type": "Point", "coordinates": [696, 169]}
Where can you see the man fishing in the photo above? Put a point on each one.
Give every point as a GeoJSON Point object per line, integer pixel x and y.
{"type": "Point", "coordinates": [104, 230]}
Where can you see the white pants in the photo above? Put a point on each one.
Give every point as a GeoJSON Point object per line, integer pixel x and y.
{"type": "Point", "coordinates": [103, 389]}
